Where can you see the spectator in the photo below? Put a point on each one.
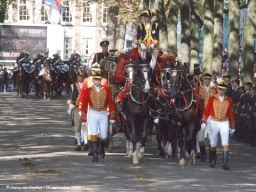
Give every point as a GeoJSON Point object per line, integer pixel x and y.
{"type": "Point", "coordinates": [5, 80]}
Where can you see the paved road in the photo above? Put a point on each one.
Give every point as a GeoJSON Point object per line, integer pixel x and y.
{"type": "Point", "coordinates": [37, 154]}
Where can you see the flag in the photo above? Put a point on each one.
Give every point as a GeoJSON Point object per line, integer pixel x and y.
{"type": "Point", "coordinates": [52, 2]}
{"type": "Point", "coordinates": [58, 3]}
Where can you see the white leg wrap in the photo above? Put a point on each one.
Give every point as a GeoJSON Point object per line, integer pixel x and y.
{"type": "Point", "coordinates": [78, 138]}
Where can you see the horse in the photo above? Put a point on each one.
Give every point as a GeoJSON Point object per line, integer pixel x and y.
{"type": "Point", "coordinates": [48, 80]}
{"type": "Point", "coordinates": [22, 80]}
{"type": "Point", "coordinates": [187, 107]}
{"type": "Point", "coordinates": [161, 110]}
{"type": "Point", "coordinates": [71, 75]}
{"type": "Point", "coordinates": [34, 77]}
{"type": "Point", "coordinates": [135, 107]}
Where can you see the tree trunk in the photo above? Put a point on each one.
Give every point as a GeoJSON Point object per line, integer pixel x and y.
{"type": "Point", "coordinates": [185, 34]}
{"type": "Point", "coordinates": [172, 21]}
{"type": "Point", "coordinates": [196, 24]}
{"type": "Point", "coordinates": [208, 37]}
{"type": "Point", "coordinates": [120, 41]}
{"type": "Point", "coordinates": [161, 20]}
{"type": "Point", "coordinates": [249, 31]}
{"type": "Point", "coordinates": [112, 25]}
{"type": "Point", "coordinates": [217, 39]}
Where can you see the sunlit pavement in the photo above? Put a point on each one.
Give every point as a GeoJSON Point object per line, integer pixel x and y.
{"type": "Point", "coordinates": [37, 154]}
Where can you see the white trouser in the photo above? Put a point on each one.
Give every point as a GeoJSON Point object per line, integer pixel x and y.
{"type": "Point", "coordinates": [98, 119]}
{"type": "Point", "coordinates": [201, 133]}
{"type": "Point", "coordinates": [222, 128]}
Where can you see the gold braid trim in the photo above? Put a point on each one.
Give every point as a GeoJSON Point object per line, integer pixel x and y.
{"type": "Point", "coordinates": [79, 90]}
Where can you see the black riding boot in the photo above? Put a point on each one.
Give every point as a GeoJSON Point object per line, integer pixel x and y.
{"type": "Point", "coordinates": [102, 149]}
{"type": "Point", "coordinates": [203, 153]}
{"type": "Point", "coordinates": [95, 151]}
{"type": "Point", "coordinates": [225, 160]}
{"type": "Point", "coordinates": [90, 152]}
{"type": "Point", "coordinates": [210, 154]}
{"type": "Point", "coordinates": [213, 158]}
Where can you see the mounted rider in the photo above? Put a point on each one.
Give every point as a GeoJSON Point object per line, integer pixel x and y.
{"type": "Point", "coordinates": [43, 60]}
{"type": "Point", "coordinates": [100, 56]}
{"type": "Point", "coordinates": [147, 39]}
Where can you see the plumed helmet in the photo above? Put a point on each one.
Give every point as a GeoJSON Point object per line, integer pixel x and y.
{"type": "Point", "coordinates": [96, 71]}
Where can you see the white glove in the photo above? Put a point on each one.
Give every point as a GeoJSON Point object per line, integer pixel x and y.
{"type": "Point", "coordinates": [203, 125]}
{"type": "Point", "coordinates": [71, 106]}
{"type": "Point", "coordinates": [69, 111]}
{"type": "Point", "coordinates": [143, 46]}
{"type": "Point", "coordinates": [84, 124]}
{"type": "Point", "coordinates": [152, 46]}
{"type": "Point", "coordinates": [80, 113]}
{"type": "Point", "coordinates": [232, 131]}
{"type": "Point", "coordinates": [112, 121]}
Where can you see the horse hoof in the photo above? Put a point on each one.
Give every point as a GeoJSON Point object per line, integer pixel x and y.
{"type": "Point", "coordinates": [161, 153]}
{"type": "Point", "coordinates": [182, 162]}
{"type": "Point", "coordinates": [140, 159]}
{"type": "Point", "coordinates": [140, 155]}
{"type": "Point", "coordinates": [188, 156]}
{"type": "Point", "coordinates": [135, 160]}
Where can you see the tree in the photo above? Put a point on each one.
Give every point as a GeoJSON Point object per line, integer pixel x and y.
{"type": "Point", "coordinates": [249, 31]}
{"type": "Point", "coordinates": [171, 23]}
{"type": "Point", "coordinates": [234, 39]}
{"type": "Point", "coordinates": [195, 25]}
{"type": "Point", "coordinates": [217, 38]}
{"type": "Point", "coordinates": [4, 5]}
{"type": "Point", "coordinates": [185, 33]}
{"type": "Point", "coordinates": [208, 37]}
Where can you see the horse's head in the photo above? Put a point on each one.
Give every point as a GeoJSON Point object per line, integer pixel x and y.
{"type": "Point", "coordinates": [172, 79]}
{"type": "Point", "coordinates": [129, 70]}
{"type": "Point", "coordinates": [143, 74]}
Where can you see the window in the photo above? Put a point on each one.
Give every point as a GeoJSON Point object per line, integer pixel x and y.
{"type": "Point", "coordinates": [67, 47]}
{"type": "Point", "coordinates": [128, 44]}
{"type": "Point", "coordinates": [44, 16]}
{"type": "Point", "coordinates": [104, 13]}
{"type": "Point", "coordinates": [87, 14]}
{"type": "Point", "coordinates": [23, 11]}
{"type": "Point", "coordinates": [66, 15]}
{"type": "Point", "coordinates": [86, 46]}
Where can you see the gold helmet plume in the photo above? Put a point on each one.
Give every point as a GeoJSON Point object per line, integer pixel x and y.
{"type": "Point", "coordinates": [96, 71]}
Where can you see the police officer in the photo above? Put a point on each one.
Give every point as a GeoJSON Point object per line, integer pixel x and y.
{"type": "Point", "coordinates": [227, 78]}
{"type": "Point", "coordinates": [99, 57]}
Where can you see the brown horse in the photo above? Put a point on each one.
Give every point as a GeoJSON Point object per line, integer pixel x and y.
{"type": "Point", "coordinates": [22, 81]}
{"type": "Point", "coordinates": [34, 77]}
{"type": "Point", "coordinates": [48, 81]}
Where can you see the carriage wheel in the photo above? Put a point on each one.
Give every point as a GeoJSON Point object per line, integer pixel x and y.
{"type": "Point", "coordinates": [110, 138]}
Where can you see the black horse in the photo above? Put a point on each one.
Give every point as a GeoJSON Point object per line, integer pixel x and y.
{"type": "Point", "coordinates": [135, 107]}
{"type": "Point", "coordinates": [187, 107]}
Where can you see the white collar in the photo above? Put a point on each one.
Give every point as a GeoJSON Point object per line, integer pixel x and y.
{"type": "Point", "coordinates": [97, 88]}
{"type": "Point", "coordinates": [81, 85]}
{"type": "Point", "coordinates": [207, 88]}
{"type": "Point", "coordinates": [221, 97]}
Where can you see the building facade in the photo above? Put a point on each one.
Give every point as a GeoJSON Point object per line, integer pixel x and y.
{"type": "Point", "coordinates": [75, 26]}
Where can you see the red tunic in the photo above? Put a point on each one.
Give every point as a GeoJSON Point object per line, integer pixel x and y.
{"type": "Point", "coordinates": [98, 101]}
{"type": "Point", "coordinates": [219, 111]}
